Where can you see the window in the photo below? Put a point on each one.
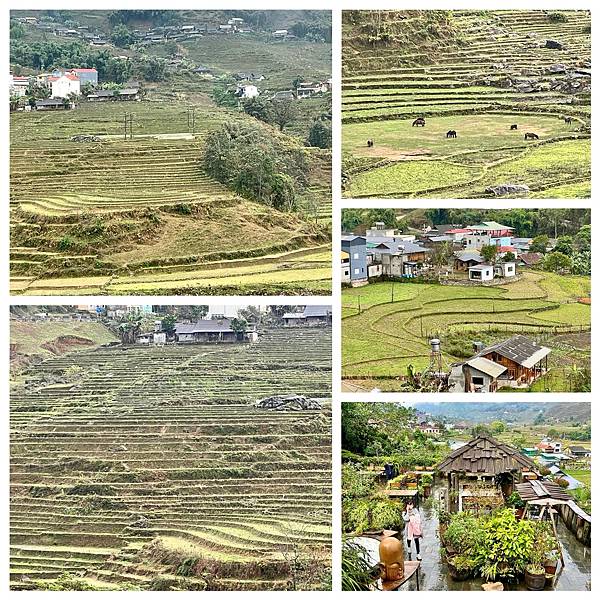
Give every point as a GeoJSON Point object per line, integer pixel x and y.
{"type": "Point", "coordinates": [355, 256]}
{"type": "Point", "coordinates": [356, 271]}
{"type": "Point", "coordinates": [478, 380]}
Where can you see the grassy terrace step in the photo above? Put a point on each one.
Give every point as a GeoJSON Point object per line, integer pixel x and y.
{"type": "Point", "coordinates": [456, 86]}
{"type": "Point", "coordinates": [234, 483]}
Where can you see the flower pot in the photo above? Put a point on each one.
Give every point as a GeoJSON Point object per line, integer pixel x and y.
{"type": "Point", "coordinates": [411, 485]}
{"type": "Point", "coordinates": [458, 575]}
{"type": "Point", "coordinates": [519, 512]}
{"type": "Point", "coordinates": [535, 581]}
{"type": "Point", "coordinates": [550, 566]}
{"type": "Point", "coordinates": [549, 580]}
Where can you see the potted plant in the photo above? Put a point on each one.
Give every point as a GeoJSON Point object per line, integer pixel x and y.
{"type": "Point", "coordinates": [535, 573]}
{"type": "Point", "coordinates": [535, 576]}
{"type": "Point", "coordinates": [426, 482]}
{"type": "Point", "coordinates": [461, 567]}
{"type": "Point", "coordinates": [515, 501]}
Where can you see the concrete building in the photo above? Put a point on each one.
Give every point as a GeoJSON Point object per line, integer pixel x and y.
{"type": "Point", "coordinates": [65, 85]}
{"type": "Point", "coordinates": [356, 247]}
{"type": "Point", "coordinates": [481, 273]}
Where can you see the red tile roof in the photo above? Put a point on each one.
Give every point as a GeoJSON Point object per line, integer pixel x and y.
{"type": "Point", "coordinates": [506, 249]}
{"type": "Point", "coordinates": [84, 70]}
{"type": "Point", "coordinates": [458, 231]}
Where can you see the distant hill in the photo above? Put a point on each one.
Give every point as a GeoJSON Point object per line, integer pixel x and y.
{"type": "Point", "coordinates": [33, 341]}
{"type": "Point", "coordinates": [514, 412]}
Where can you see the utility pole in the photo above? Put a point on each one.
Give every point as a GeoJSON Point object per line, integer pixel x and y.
{"type": "Point", "coordinates": [128, 125]}
{"type": "Point", "coordinates": [359, 305]}
{"type": "Point", "coordinates": [191, 117]}
{"type": "Point", "coordinates": [392, 291]}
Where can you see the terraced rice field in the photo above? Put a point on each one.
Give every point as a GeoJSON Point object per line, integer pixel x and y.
{"type": "Point", "coordinates": [153, 470]}
{"type": "Point", "coordinates": [116, 208]}
{"type": "Point", "coordinates": [386, 337]}
{"type": "Point", "coordinates": [486, 72]}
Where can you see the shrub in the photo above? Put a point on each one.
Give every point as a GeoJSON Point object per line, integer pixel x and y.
{"type": "Point", "coordinates": [506, 545]}
{"type": "Point", "coordinates": [356, 571]}
{"type": "Point", "coordinates": [557, 17]}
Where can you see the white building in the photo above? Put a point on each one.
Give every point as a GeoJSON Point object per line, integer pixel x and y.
{"type": "Point", "coordinates": [18, 85]}
{"type": "Point", "coordinates": [247, 91]}
{"type": "Point", "coordinates": [505, 269]}
{"type": "Point", "coordinates": [65, 85]}
{"type": "Point", "coordinates": [481, 273]}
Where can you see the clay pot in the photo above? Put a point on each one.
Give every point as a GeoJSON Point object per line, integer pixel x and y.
{"type": "Point", "coordinates": [535, 581]}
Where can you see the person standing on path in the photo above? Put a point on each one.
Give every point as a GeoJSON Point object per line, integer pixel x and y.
{"type": "Point", "coordinates": [412, 518]}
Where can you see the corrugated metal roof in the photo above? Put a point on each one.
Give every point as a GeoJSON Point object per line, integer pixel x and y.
{"type": "Point", "coordinates": [204, 326]}
{"type": "Point", "coordinates": [519, 349]}
{"type": "Point", "coordinates": [317, 311]}
{"type": "Point", "coordinates": [540, 490]}
{"type": "Point", "coordinates": [489, 367]}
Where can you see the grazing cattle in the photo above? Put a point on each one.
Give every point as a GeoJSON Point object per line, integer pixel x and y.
{"type": "Point", "coordinates": [532, 136]}
{"type": "Point", "coordinates": [451, 134]}
{"type": "Point", "coordinates": [515, 126]}
{"type": "Point", "coordinates": [369, 143]}
{"type": "Point", "coordinates": [419, 122]}
{"type": "Point", "coordinates": [568, 120]}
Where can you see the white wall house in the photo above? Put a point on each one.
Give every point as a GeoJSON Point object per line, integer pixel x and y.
{"type": "Point", "coordinates": [481, 273]}
{"type": "Point", "coordinates": [65, 85]}
{"type": "Point", "coordinates": [248, 91]}
{"type": "Point", "coordinates": [507, 269]}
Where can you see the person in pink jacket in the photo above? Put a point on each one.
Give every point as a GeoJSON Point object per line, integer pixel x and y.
{"type": "Point", "coordinates": [412, 518]}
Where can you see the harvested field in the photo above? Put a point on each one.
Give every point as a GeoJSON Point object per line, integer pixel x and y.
{"type": "Point", "coordinates": [477, 73]}
{"type": "Point", "coordinates": [153, 469]}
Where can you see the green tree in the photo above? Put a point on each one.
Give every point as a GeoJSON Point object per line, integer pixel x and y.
{"type": "Point", "coordinates": [17, 30]}
{"type": "Point", "coordinates": [539, 243]}
{"type": "Point", "coordinates": [498, 427]}
{"type": "Point", "coordinates": [121, 36]}
{"type": "Point", "coordinates": [488, 253]}
{"type": "Point", "coordinates": [283, 112]}
{"type": "Point", "coordinates": [583, 239]}
{"type": "Point", "coordinates": [351, 219]}
{"type": "Point", "coordinates": [239, 327]}
{"type": "Point", "coordinates": [258, 107]}
{"type": "Point", "coordinates": [557, 262]}
{"type": "Point", "coordinates": [319, 135]}
{"type": "Point", "coordinates": [582, 263]}
{"type": "Point", "coordinates": [167, 324]}
{"type": "Point", "coordinates": [564, 244]}
{"type": "Point", "coordinates": [509, 257]}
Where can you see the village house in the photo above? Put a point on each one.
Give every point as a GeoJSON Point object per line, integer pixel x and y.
{"type": "Point", "coordinates": [284, 95]}
{"type": "Point", "coordinates": [211, 331]}
{"type": "Point", "coordinates": [488, 233]}
{"type": "Point", "coordinates": [530, 259]}
{"type": "Point", "coordinates": [247, 91]}
{"type": "Point", "coordinates": [52, 104]}
{"type": "Point", "coordinates": [465, 259]}
{"type": "Point", "coordinates": [429, 429]}
{"type": "Point", "coordinates": [549, 446]}
{"type": "Point", "coordinates": [516, 362]}
{"type": "Point", "coordinates": [505, 269]}
{"type": "Point", "coordinates": [481, 273]}
{"type": "Point", "coordinates": [481, 473]}
{"type": "Point", "coordinates": [356, 247]}
{"type": "Point", "coordinates": [579, 451]}
{"type": "Point", "coordinates": [311, 316]}
{"type": "Point", "coordinates": [18, 85]}
{"type": "Point", "coordinates": [400, 259]}
{"type": "Point", "coordinates": [280, 33]}
{"type": "Point", "coordinates": [345, 258]}
{"type": "Point", "coordinates": [65, 85]}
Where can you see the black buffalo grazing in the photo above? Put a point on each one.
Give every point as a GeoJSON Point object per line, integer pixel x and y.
{"type": "Point", "coordinates": [568, 120]}
{"type": "Point", "coordinates": [369, 143]}
{"type": "Point", "coordinates": [515, 126]}
{"type": "Point", "coordinates": [451, 134]}
{"type": "Point", "coordinates": [532, 136]}
{"type": "Point", "coordinates": [419, 122]}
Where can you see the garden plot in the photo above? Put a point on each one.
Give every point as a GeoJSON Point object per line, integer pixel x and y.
{"type": "Point", "coordinates": [116, 207]}
{"type": "Point", "coordinates": [154, 466]}
{"type": "Point", "coordinates": [386, 337]}
{"type": "Point", "coordinates": [483, 74]}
